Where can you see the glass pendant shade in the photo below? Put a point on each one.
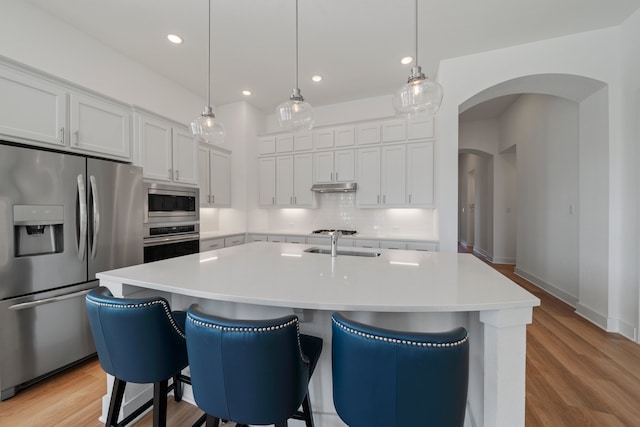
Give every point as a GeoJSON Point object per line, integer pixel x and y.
{"type": "Point", "coordinates": [208, 127]}
{"type": "Point", "coordinates": [419, 95]}
{"type": "Point", "coordinates": [295, 114]}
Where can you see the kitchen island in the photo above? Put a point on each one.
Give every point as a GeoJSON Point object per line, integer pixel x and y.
{"type": "Point", "coordinates": [409, 290]}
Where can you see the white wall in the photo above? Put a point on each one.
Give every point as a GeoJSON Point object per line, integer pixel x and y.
{"type": "Point", "coordinates": [545, 131]}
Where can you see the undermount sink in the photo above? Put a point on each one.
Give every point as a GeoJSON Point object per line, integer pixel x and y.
{"type": "Point", "coordinates": [342, 252]}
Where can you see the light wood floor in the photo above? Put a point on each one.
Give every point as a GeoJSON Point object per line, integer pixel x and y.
{"type": "Point", "coordinates": [577, 375]}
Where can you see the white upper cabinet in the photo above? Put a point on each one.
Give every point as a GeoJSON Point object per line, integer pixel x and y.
{"type": "Point", "coordinates": [167, 152]}
{"type": "Point", "coordinates": [293, 181]}
{"type": "Point", "coordinates": [344, 137]}
{"type": "Point", "coordinates": [99, 126]}
{"type": "Point", "coordinates": [323, 139]}
{"type": "Point", "coordinates": [32, 109]}
{"type": "Point", "coordinates": [368, 133]}
{"type": "Point", "coordinates": [381, 176]}
{"type": "Point", "coordinates": [420, 128]}
{"type": "Point", "coordinates": [284, 180]}
{"type": "Point", "coordinates": [334, 166]}
{"type": "Point", "coordinates": [267, 181]}
{"type": "Point", "coordinates": [420, 174]}
{"type": "Point", "coordinates": [394, 131]}
{"type": "Point", "coordinates": [303, 141]}
{"type": "Point", "coordinates": [214, 171]}
{"type": "Point", "coordinates": [284, 143]}
{"type": "Point", "coordinates": [267, 145]}
{"type": "Point", "coordinates": [37, 110]}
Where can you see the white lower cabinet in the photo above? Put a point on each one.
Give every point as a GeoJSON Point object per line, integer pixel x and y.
{"type": "Point", "coordinates": [214, 170]}
{"type": "Point", "coordinates": [391, 244]}
{"type": "Point", "coordinates": [211, 244]}
{"type": "Point", "coordinates": [296, 239]}
{"type": "Point", "coordinates": [366, 243]}
{"type": "Point", "coordinates": [276, 238]}
{"type": "Point", "coordinates": [256, 238]}
{"type": "Point", "coordinates": [234, 240]}
{"type": "Point", "coordinates": [422, 246]}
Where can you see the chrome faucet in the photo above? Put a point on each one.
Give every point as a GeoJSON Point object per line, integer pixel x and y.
{"type": "Point", "coordinates": [334, 242]}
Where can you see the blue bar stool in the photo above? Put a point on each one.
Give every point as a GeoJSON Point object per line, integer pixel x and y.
{"type": "Point", "coordinates": [383, 377]}
{"type": "Point", "coordinates": [138, 341]}
{"type": "Point", "coordinates": [250, 371]}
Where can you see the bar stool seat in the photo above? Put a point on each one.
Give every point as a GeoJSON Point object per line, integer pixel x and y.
{"type": "Point", "coordinates": [390, 378]}
{"type": "Point", "coordinates": [250, 371]}
{"type": "Point", "coordinates": [138, 341]}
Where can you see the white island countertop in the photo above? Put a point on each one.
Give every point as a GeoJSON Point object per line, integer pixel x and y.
{"type": "Point", "coordinates": [283, 275]}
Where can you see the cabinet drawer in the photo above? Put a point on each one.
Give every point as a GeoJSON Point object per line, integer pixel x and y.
{"type": "Point", "coordinates": [211, 244]}
{"type": "Point", "coordinates": [257, 238]}
{"type": "Point", "coordinates": [366, 243]}
{"type": "Point", "coordinates": [277, 239]}
{"type": "Point", "coordinates": [422, 246]}
{"type": "Point", "coordinates": [390, 244]}
{"type": "Point", "coordinates": [234, 241]}
{"type": "Point", "coordinates": [296, 239]}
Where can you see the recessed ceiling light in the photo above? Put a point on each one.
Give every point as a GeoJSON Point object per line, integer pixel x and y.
{"type": "Point", "coordinates": [175, 39]}
{"type": "Point", "coordinates": [406, 60]}
{"type": "Point", "coordinates": [316, 78]}
{"type": "Point", "coordinates": [246, 92]}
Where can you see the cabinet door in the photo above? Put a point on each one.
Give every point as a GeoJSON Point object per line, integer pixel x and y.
{"type": "Point", "coordinates": [284, 180]}
{"type": "Point", "coordinates": [369, 134]}
{"type": "Point", "coordinates": [302, 180]}
{"type": "Point", "coordinates": [185, 157]}
{"type": "Point", "coordinates": [303, 141]}
{"type": "Point", "coordinates": [32, 109]}
{"type": "Point", "coordinates": [99, 126]}
{"type": "Point", "coordinates": [323, 138]}
{"type": "Point", "coordinates": [267, 145]}
{"type": "Point", "coordinates": [345, 169]}
{"type": "Point", "coordinates": [203, 177]}
{"type": "Point", "coordinates": [368, 177]}
{"type": "Point", "coordinates": [284, 143]}
{"type": "Point", "coordinates": [211, 244]}
{"type": "Point", "coordinates": [393, 184]}
{"type": "Point", "coordinates": [420, 181]}
{"type": "Point", "coordinates": [323, 167]}
{"type": "Point", "coordinates": [234, 240]}
{"type": "Point", "coordinates": [156, 151]}
{"type": "Point", "coordinates": [420, 128]}
{"type": "Point", "coordinates": [394, 130]}
{"type": "Point", "coordinates": [220, 178]}
{"type": "Point", "coordinates": [267, 184]}
{"type": "Point", "coordinates": [344, 137]}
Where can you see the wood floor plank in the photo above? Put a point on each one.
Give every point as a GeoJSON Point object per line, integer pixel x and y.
{"type": "Point", "coordinates": [577, 376]}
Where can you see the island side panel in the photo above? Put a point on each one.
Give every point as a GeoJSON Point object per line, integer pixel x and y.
{"type": "Point", "coordinates": [505, 347]}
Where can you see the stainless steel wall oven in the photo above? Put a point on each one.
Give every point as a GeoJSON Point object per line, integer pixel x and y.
{"type": "Point", "coordinates": [164, 241]}
{"type": "Point", "coordinates": [164, 203]}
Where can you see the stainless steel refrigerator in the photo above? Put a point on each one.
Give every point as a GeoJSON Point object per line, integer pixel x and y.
{"type": "Point", "coordinates": [63, 217]}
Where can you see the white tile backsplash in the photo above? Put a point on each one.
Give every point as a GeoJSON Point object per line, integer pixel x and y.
{"type": "Point", "coordinates": [338, 210]}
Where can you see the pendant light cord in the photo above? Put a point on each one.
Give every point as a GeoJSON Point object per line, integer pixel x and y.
{"type": "Point", "coordinates": [297, 87]}
{"type": "Point", "coordinates": [209, 61]}
{"type": "Point", "coordinates": [416, 4]}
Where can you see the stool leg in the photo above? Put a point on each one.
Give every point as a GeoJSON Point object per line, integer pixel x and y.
{"type": "Point", "coordinates": [212, 421]}
{"type": "Point", "coordinates": [177, 387]}
{"type": "Point", "coordinates": [117, 393]}
{"type": "Point", "coordinates": [306, 409]}
{"type": "Point", "coordinates": [160, 403]}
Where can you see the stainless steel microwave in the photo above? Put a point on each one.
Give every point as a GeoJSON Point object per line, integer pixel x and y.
{"type": "Point", "coordinates": [165, 203]}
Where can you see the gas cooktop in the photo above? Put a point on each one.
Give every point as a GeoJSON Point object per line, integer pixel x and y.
{"type": "Point", "coordinates": [344, 232]}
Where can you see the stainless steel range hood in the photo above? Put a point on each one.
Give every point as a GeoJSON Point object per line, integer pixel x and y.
{"type": "Point", "coordinates": [341, 187]}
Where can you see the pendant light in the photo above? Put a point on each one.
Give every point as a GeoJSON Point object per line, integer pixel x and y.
{"type": "Point", "coordinates": [295, 114]}
{"type": "Point", "coordinates": [206, 124]}
{"type": "Point", "coordinates": [419, 95]}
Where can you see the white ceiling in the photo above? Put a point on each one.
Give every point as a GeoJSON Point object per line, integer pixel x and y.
{"type": "Point", "coordinates": [356, 45]}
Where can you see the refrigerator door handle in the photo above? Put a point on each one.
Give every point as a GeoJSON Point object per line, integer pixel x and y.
{"type": "Point", "coordinates": [82, 218]}
{"type": "Point", "coordinates": [30, 304]}
{"type": "Point", "coordinates": [95, 215]}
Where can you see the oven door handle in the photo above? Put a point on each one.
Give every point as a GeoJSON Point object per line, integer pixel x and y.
{"type": "Point", "coordinates": [155, 241]}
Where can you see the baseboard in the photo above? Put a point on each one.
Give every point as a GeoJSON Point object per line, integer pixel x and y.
{"type": "Point", "coordinates": [556, 292]}
{"type": "Point", "coordinates": [593, 316]}
{"type": "Point", "coordinates": [498, 260]}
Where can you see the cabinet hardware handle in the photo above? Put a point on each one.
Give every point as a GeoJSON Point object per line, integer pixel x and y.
{"type": "Point", "coordinates": [331, 176]}
{"type": "Point", "coordinates": [384, 199]}
{"type": "Point", "coordinates": [378, 199]}
{"type": "Point", "coordinates": [336, 176]}
{"type": "Point", "coordinates": [213, 198]}
{"type": "Point", "coordinates": [409, 198]}
{"type": "Point", "coordinates": [273, 200]}
{"type": "Point", "coordinates": [170, 174]}
{"type": "Point", "coordinates": [62, 135]}
{"type": "Point", "coordinates": [77, 134]}
{"type": "Point", "coordinates": [177, 175]}
{"type": "Point", "coordinates": [295, 200]}
{"type": "Point", "coordinates": [209, 198]}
